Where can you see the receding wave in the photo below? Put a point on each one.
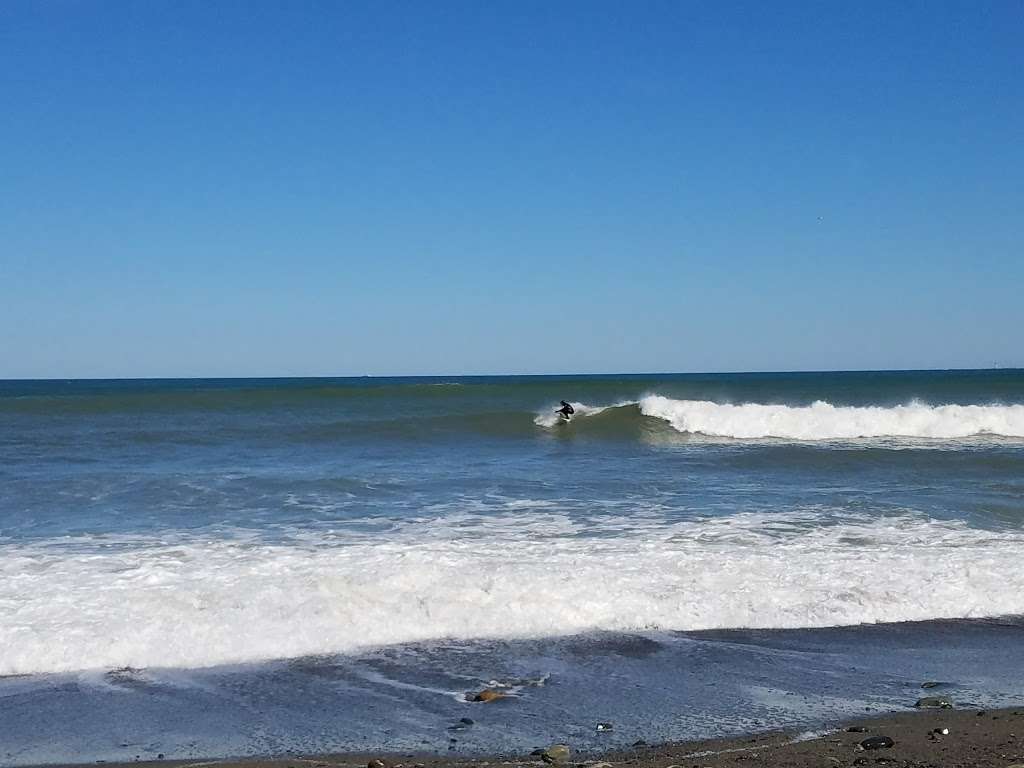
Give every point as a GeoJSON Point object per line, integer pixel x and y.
{"type": "Point", "coordinates": [532, 572]}
{"type": "Point", "coordinates": [818, 421]}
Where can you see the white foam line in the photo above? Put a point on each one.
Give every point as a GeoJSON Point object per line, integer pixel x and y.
{"type": "Point", "coordinates": [198, 602]}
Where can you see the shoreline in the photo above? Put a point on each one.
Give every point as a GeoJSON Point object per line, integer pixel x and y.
{"type": "Point", "coordinates": [975, 739]}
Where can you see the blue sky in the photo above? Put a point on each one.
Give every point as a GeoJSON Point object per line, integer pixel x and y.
{"type": "Point", "coordinates": [303, 188]}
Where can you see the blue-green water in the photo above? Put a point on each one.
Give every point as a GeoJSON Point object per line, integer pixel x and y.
{"type": "Point", "coordinates": [178, 526]}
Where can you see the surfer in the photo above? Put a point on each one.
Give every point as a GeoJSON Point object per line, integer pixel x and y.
{"type": "Point", "coordinates": [566, 411]}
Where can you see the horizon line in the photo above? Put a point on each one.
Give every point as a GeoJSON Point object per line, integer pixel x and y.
{"type": "Point", "coordinates": [1009, 369]}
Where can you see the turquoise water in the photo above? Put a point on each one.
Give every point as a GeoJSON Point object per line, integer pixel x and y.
{"type": "Point", "coordinates": [221, 535]}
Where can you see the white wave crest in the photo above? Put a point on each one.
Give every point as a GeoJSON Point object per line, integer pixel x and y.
{"type": "Point", "coordinates": [198, 602]}
{"type": "Point", "coordinates": [823, 421]}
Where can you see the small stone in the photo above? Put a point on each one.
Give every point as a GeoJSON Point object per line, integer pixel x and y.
{"type": "Point", "coordinates": [486, 695]}
{"type": "Point", "coordinates": [877, 742]}
{"type": "Point", "coordinates": [376, 763]}
{"type": "Point", "coordinates": [605, 726]}
{"type": "Point", "coordinates": [556, 753]}
{"type": "Point", "coordinates": [466, 720]}
{"type": "Point", "coordinates": [856, 729]}
{"type": "Point", "coordinates": [934, 702]}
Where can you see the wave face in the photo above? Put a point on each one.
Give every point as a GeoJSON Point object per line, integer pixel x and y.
{"type": "Point", "coordinates": [823, 421]}
{"type": "Point", "coordinates": [196, 602]}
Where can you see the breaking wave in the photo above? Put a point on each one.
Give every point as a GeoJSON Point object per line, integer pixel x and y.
{"type": "Point", "coordinates": [195, 602]}
{"type": "Point", "coordinates": [818, 421]}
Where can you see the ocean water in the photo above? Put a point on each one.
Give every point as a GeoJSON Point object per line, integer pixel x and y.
{"type": "Point", "coordinates": [209, 567]}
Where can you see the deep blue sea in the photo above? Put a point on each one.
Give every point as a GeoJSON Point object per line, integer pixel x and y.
{"type": "Point", "coordinates": [256, 566]}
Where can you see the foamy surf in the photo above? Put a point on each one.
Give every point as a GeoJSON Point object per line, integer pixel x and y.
{"type": "Point", "coordinates": [824, 421]}
{"type": "Point", "coordinates": [193, 602]}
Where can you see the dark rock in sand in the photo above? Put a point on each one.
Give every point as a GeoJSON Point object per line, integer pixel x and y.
{"type": "Point", "coordinates": [376, 763]}
{"type": "Point", "coordinates": [556, 753]}
{"type": "Point", "coordinates": [466, 720]}
{"type": "Point", "coordinates": [934, 702]}
{"type": "Point", "coordinates": [856, 729]}
{"type": "Point", "coordinates": [877, 742]}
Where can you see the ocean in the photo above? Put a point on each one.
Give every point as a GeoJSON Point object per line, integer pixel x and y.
{"type": "Point", "coordinates": [264, 566]}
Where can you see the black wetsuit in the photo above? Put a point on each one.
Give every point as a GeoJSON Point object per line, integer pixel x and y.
{"type": "Point", "coordinates": [566, 410]}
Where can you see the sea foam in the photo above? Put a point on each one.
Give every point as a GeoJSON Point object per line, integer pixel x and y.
{"type": "Point", "coordinates": [194, 601]}
{"type": "Point", "coordinates": [822, 420]}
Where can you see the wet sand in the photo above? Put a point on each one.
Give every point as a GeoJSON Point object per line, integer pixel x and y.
{"type": "Point", "coordinates": [981, 739]}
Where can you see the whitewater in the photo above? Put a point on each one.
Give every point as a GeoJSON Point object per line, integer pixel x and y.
{"type": "Point", "coordinates": [196, 602]}
{"type": "Point", "coordinates": [819, 421]}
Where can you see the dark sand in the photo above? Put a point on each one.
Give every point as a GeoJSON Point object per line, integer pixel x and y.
{"type": "Point", "coordinates": [993, 739]}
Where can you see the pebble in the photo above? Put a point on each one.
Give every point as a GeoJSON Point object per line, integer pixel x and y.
{"type": "Point", "coordinates": [376, 763]}
{"type": "Point", "coordinates": [556, 753]}
{"type": "Point", "coordinates": [934, 702]}
{"type": "Point", "coordinates": [877, 742]}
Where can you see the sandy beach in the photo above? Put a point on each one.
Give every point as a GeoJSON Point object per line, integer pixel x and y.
{"type": "Point", "coordinates": [931, 738]}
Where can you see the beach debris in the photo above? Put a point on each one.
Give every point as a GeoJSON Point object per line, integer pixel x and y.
{"type": "Point", "coordinates": [486, 695]}
{"type": "Point", "coordinates": [556, 753]}
{"type": "Point", "coordinates": [856, 729]}
{"type": "Point", "coordinates": [877, 742]}
{"type": "Point", "coordinates": [605, 727]}
{"type": "Point", "coordinates": [934, 702]}
{"type": "Point", "coordinates": [940, 731]}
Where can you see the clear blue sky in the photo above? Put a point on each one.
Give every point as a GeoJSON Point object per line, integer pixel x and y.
{"type": "Point", "coordinates": [253, 188]}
